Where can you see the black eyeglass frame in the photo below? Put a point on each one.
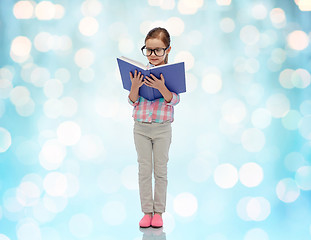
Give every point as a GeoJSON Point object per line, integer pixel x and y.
{"type": "Point", "coordinates": [153, 51]}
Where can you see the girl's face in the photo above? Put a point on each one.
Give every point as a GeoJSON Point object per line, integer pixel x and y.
{"type": "Point", "coordinates": [154, 43]}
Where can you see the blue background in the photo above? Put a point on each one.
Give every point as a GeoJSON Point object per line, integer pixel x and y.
{"type": "Point", "coordinates": [239, 163]}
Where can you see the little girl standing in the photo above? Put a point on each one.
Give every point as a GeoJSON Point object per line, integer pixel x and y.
{"type": "Point", "coordinates": [152, 129]}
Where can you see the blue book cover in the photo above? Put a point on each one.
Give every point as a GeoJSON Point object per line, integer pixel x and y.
{"type": "Point", "coordinates": [174, 75]}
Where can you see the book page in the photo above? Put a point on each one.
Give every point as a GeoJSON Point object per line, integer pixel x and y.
{"type": "Point", "coordinates": [136, 63]}
{"type": "Point", "coordinates": [166, 65]}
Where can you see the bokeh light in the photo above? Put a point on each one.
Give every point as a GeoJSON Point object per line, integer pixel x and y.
{"type": "Point", "coordinates": [53, 108]}
{"type": "Point", "coordinates": [251, 174]}
{"type": "Point", "coordinates": [253, 208]}
{"type": "Point", "coordinates": [212, 83]}
{"type": "Point", "coordinates": [304, 5]}
{"type": "Point", "coordinates": [256, 234]}
{"type": "Point", "coordinates": [253, 140]}
{"type": "Point", "coordinates": [88, 26]}
{"type": "Point", "coordinates": [287, 190]}
{"type": "Point", "coordinates": [52, 154]}
{"type": "Point", "coordinates": [4, 237]}
{"type": "Point", "coordinates": [258, 208]}
{"type": "Point", "coordinates": [185, 56]}
{"type": "Point", "coordinates": [175, 26]}
{"type": "Point", "coordinates": [189, 7]}
{"type": "Point", "coordinates": [89, 147]}
{"type": "Point", "coordinates": [226, 175]}
{"type": "Point", "coordinates": [291, 120]}
{"type": "Point", "coordinates": [45, 10]}
{"type": "Point", "coordinates": [24, 9]}
{"type": "Point", "coordinates": [298, 40]}
{"type": "Point", "coordinates": [28, 193]}
{"type": "Point", "coordinates": [241, 208]}
{"type": "Point", "coordinates": [84, 58]}
{"type": "Point", "coordinates": [303, 177]}
{"type": "Point", "coordinates": [301, 78]}
{"type": "Point", "coordinates": [249, 35]}
{"type": "Point", "coordinates": [185, 204]}
{"type": "Point", "coordinates": [5, 139]}
{"type": "Point", "coordinates": [69, 133]}
{"type": "Point", "coordinates": [29, 229]}
{"type": "Point", "coordinates": [55, 204]}
{"type": "Point", "coordinates": [227, 25]}
{"type": "Point", "coordinates": [278, 104]}
{"type": "Point", "coordinates": [53, 88]}
{"type": "Point", "coordinates": [260, 11]}
{"type": "Point", "coordinates": [278, 17]}
{"type": "Point", "coordinates": [286, 78]}
{"type": "Point", "coordinates": [41, 213]}
{"type": "Point", "coordinates": [55, 184]}
{"type": "Point", "coordinates": [91, 8]}
{"type": "Point", "coordinates": [20, 48]}
{"type": "Point", "coordinates": [294, 160]}
{"type": "Point", "coordinates": [233, 111]}
{"type": "Point", "coordinates": [39, 75]}
{"type": "Point", "coordinates": [50, 233]}
{"type": "Point", "coordinates": [261, 118]}
{"type": "Point", "coordinates": [240, 154]}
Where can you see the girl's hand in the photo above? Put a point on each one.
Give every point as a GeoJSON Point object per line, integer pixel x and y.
{"type": "Point", "coordinates": [137, 80]}
{"type": "Point", "coordinates": [155, 82]}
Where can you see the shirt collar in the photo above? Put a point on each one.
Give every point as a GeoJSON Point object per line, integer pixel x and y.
{"type": "Point", "coordinates": [150, 65]}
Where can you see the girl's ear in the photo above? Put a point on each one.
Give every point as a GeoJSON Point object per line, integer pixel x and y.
{"type": "Point", "coordinates": [168, 50]}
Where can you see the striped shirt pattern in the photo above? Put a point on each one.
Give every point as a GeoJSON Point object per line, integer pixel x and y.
{"type": "Point", "coordinates": [158, 110]}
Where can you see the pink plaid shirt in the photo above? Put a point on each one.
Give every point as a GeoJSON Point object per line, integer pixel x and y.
{"type": "Point", "coordinates": [158, 110]}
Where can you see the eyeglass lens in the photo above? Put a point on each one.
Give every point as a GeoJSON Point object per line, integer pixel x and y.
{"type": "Point", "coordinates": [158, 51]}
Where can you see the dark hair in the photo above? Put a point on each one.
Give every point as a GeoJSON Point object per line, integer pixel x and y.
{"type": "Point", "coordinates": [161, 33]}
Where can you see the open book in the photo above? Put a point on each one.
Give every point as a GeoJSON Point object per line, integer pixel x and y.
{"type": "Point", "coordinates": [174, 75]}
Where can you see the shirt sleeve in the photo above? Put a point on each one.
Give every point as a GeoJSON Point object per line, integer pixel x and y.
{"type": "Point", "coordinates": [134, 104]}
{"type": "Point", "coordinates": [175, 100]}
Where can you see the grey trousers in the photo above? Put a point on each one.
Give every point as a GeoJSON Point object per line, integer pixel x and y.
{"type": "Point", "coordinates": [152, 142]}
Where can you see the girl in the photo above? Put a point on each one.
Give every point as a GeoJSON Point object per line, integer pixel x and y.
{"type": "Point", "coordinates": [152, 129]}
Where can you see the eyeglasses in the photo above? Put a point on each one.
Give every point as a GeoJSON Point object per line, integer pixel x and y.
{"type": "Point", "coordinates": [158, 51]}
